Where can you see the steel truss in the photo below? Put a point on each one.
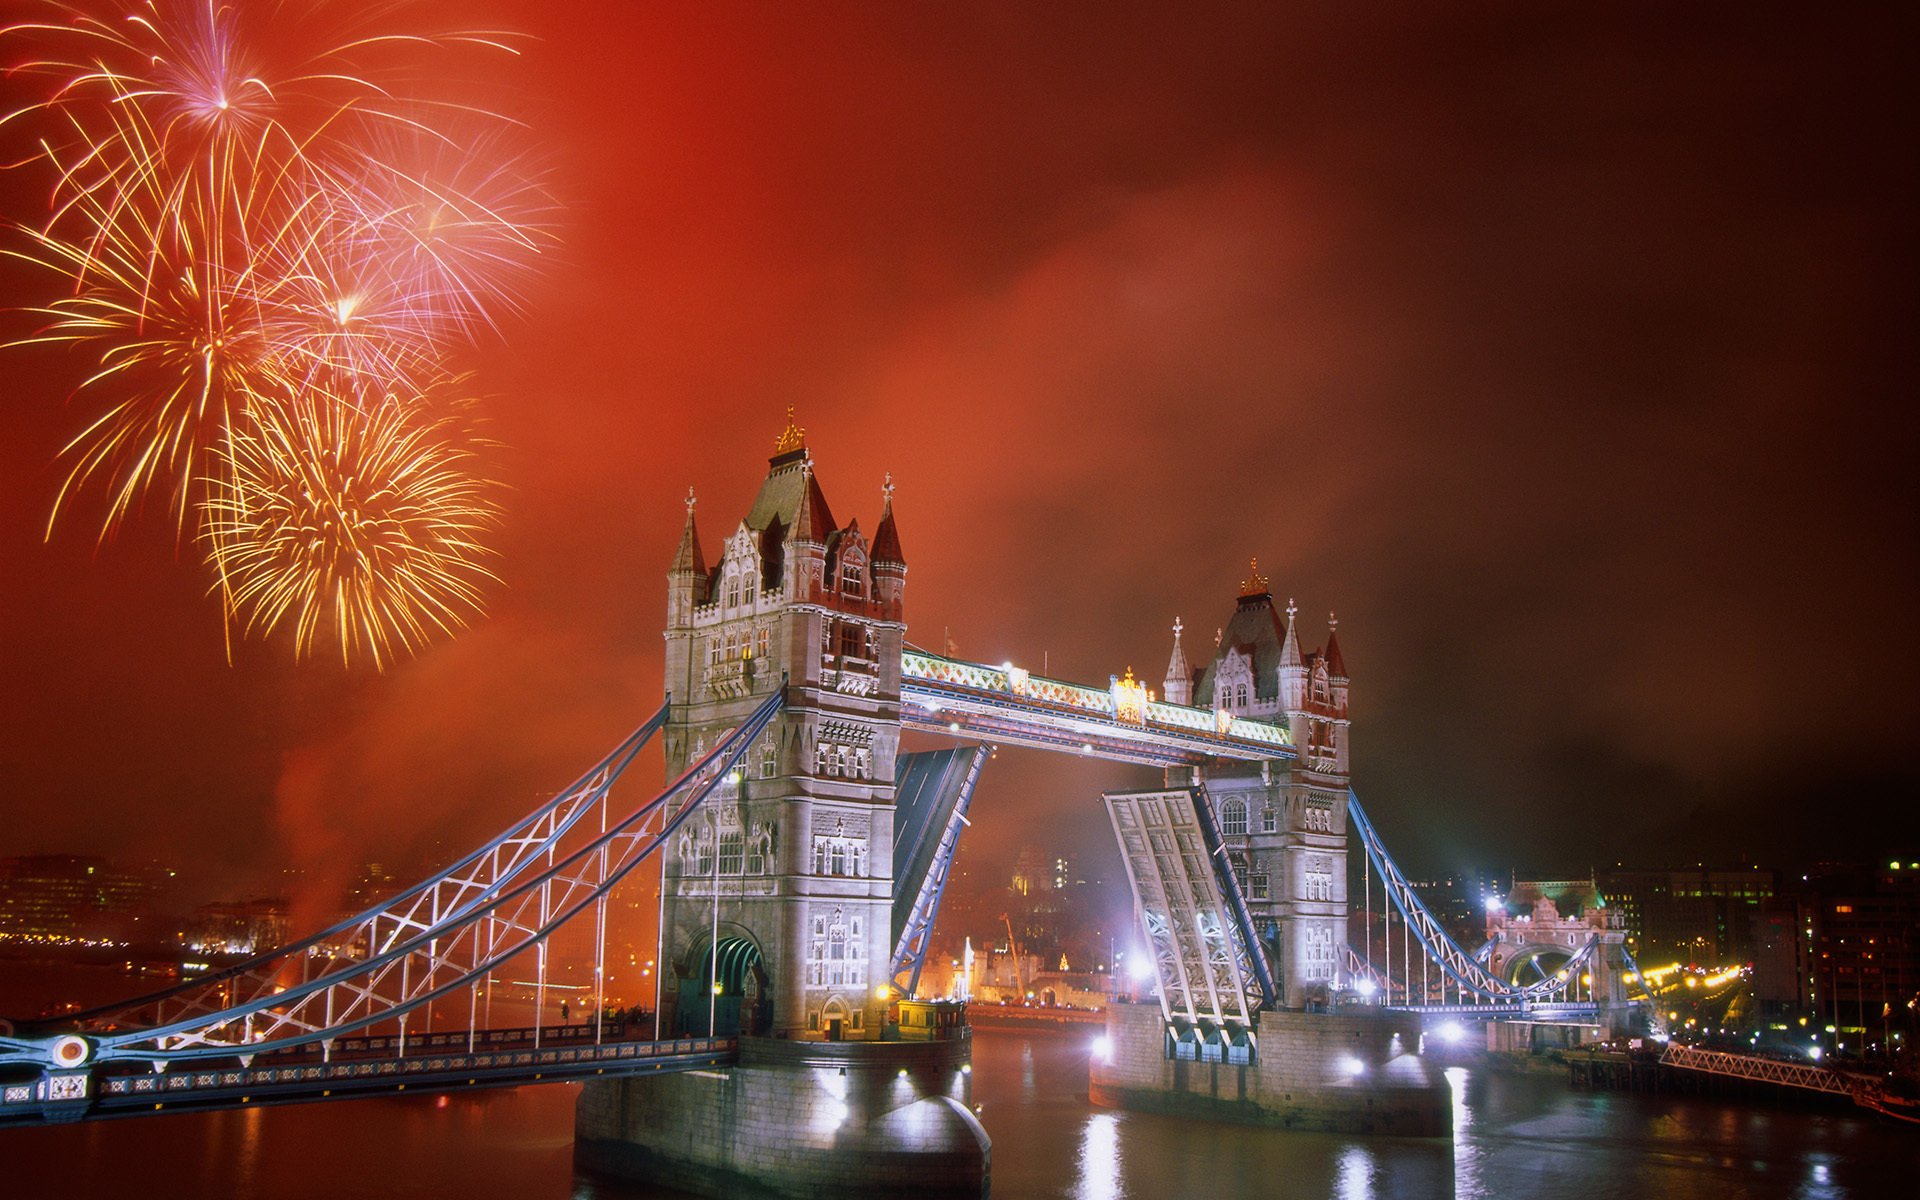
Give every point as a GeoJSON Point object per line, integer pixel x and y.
{"type": "Point", "coordinates": [439, 937]}
{"type": "Point", "coordinates": [910, 951]}
{"type": "Point", "coordinates": [1463, 968]}
{"type": "Point", "coordinates": [1209, 969]}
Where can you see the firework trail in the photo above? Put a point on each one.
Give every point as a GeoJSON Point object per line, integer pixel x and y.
{"type": "Point", "coordinates": [260, 247]}
{"type": "Point", "coordinates": [356, 523]}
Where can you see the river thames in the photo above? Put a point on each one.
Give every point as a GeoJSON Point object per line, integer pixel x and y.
{"type": "Point", "coordinates": [1515, 1135]}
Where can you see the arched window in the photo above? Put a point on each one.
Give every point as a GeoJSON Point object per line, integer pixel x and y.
{"type": "Point", "coordinates": [732, 852]}
{"type": "Point", "coordinates": [1233, 818]}
{"type": "Point", "coordinates": [766, 641]}
{"type": "Point", "coordinates": [1240, 695]}
{"type": "Point", "coordinates": [851, 581]}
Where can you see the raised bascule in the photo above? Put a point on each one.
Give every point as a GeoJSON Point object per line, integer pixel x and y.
{"type": "Point", "coordinates": [803, 857]}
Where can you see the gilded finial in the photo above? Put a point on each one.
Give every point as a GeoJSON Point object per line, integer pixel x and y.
{"type": "Point", "coordinates": [689, 502]}
{"type": "Point", "coordinates": [1292, 610]}
{"type": "Point", "coordinates": [1333, 620]}
{"type": "Point", "coordinates": [791, 438]}
{"type": "Point", "coordinates": [1177, 627]}
{"type": "Point", "coordinates": [886, 489]}
{"type": "Point", "coordinates": [1255, 583]}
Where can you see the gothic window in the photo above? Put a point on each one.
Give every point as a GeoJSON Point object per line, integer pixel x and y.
{"type": "Point", "coordinates": [834, 959]}
{"type": "Point", "coordinates": [837, 859]}
{"type": "Point", "coordinates": [852, 641]}
{"type": "Point", "coordinates": [769, 754]}
{"type": "Point", "coordinates": [1240, 695]}
{"type": "Point", "coordinates": [766, 642]}
{"type": "Point", "coordinates": [703, 861]}
{"type": "Point", "coordinates": [1233, 817]}
{"type": "Point", "coordinates": [1269, 818]}
{"type": "Point", "coordinates": [850, 580]}
{"type": "Point", "coordinates": [732, 853]}
{"type": "Point", "coordinates": [733, 646]}
{"type": "Point", "coordinates": [1257, 886]}
{"type": "Point", "coordinates": [713, 652]}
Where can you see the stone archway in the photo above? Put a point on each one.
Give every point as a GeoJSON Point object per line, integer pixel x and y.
{"type": "Point", "coordinates": [724, 990]}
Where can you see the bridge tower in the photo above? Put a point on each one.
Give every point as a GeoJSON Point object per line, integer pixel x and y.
{"type": "Point", "coordinates": [777, 898]}
{"type": "Point", "coordinates": [1285, 826]}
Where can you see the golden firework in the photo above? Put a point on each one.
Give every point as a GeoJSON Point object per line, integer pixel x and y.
{"type": "Point", "coordinates": [360, 525]}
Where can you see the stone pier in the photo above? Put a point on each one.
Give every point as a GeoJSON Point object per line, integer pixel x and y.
{"type": "Point", "coordinates": [1340, 1073]}
{"type": "Point", "coordinates": [797, 1119]}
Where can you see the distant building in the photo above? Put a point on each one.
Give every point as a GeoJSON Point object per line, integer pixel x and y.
{"type": "Point", "coordinates": [66, 899]}
{"type": "Point", "coordinates": [1860, 956]}
{"type": "Point", "coordinates": [238, 926]}
{"type": "Point", "coordinates": [1703, 915]}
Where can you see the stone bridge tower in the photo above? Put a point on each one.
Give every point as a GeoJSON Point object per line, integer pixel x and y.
{"type": "Point", "coordinates": [1285, 827]}
{"type": "Point", "coordinates": [790, 859]}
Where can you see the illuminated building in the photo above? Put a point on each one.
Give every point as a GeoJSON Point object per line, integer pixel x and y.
{"type": "Point", "coordinates": [1285, 826]}
{"type": "Point", "coordinates": [64, 899]}
{"type": "Point", "coordinates": [787, 868]}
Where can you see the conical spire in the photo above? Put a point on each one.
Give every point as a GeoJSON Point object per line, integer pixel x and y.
{"type": "Point", "coordinates": [886, 539]}
{"type": "Point", "coordinates": [688, 560]}
{"type": "Point", "coordinates": [1179, 681]}
{"type": "Point", "coordinates": [1290, 647]}
{"type": "Point", "coordinates": [811, 520]}
{"type": "Point", "coordinates": [1336, 665]}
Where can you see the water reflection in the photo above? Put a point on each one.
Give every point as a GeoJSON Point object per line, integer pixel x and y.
{"type": "Point", "coordinates": [1356, 1174]}
{"type": "Point", "coordinates": [1516, 1135]}
{"type": "Point", "coordinates": [1100, 1159]}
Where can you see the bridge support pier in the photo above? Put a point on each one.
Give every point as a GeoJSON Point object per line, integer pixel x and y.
{"type": "Point", "coordinates": [1332, 1072]}
{"type": "Point", "coordinates": [796, 1119]}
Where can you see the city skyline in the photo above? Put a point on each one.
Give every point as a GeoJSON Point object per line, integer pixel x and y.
{"type": "Point", "coordinates": [1560, 359]}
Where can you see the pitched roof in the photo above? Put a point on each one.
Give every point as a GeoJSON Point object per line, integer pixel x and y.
{"type": "Point", "coordinates": [886, 539]}
{"type": "Point", "coordinates": [1336, 665]}
{"type": "Point", "coordinates": [790, 488]}
{"type": "Point", "coordinates": [688, 559]}
{"type": "Point", "coordinates": [1255, 631]}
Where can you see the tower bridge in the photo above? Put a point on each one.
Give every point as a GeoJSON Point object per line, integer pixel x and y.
{"type": "Point", "coordinates": [803, 858]}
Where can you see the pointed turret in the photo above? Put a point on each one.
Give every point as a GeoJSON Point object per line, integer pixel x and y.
{"type": "Point", "coordinates": [889, 564]}
{"type": "Point", "coordinates": [687, 577]}
{"type": "Point", "coordinates": [1179, 680]}
{"type": "Point", "coordinates": [886, 539]}
{"type": "Point", "coordinates": [1336, 665]}
{"type": "Point", "coordinates": [688, 559]}
{"type": "Point", "coordinates": [1293, 668]}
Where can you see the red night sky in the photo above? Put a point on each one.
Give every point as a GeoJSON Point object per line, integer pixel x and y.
{"type": "Point", "coordinates": [1558, 349]}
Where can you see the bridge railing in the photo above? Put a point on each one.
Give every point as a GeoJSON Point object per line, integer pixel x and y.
{"type": "Point", "coordinates": [1461, 967]}
{"type": "Point", "coordinates": [428, 959]}
{"type": "Point", "coordinates": [1018, 685]}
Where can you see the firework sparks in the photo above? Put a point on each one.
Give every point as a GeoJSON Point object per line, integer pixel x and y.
{"type": "Point", "coordinates": [261, 248]}
{"type": "Point", "coordinates": [355, 523]}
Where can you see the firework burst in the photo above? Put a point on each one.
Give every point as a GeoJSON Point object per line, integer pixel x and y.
{"type": "Point", "coordinates": [261, 247]}
{"type": "Point", "coordinates": [357, 524]}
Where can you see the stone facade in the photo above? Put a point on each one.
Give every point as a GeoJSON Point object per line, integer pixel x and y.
{"type": "Point", "coordinates": [1345, 1073]}
{"type": "Point", "coordinates": [1285, 826]}
{"type": "Point", "coordinates": [789, 861]}
{"type": "Point", "coordinates": [796, 1119]}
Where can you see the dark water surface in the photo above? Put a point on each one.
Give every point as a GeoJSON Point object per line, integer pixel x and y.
{"type": "Point", "coordinates": [1521, 1136]}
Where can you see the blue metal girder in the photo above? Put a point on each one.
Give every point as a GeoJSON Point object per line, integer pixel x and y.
{"type": "Point", "coordinates": [1256, 949]}
{"type": "Point", "coordinates": [930, 808]}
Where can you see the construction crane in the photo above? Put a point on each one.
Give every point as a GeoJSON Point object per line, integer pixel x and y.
{"type": "Point", "coordinates": [1013, 944]}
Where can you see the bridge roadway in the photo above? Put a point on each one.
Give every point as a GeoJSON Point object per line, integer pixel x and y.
{"type": "Point", "coordinates": [1122, 723]}
{"type": "Point", "coordinates": [358, 1067]}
